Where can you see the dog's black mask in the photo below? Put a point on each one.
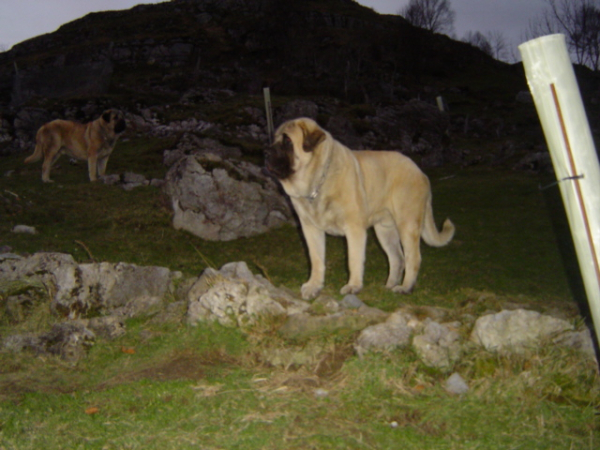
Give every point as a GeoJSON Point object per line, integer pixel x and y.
{"type": "Point", "coordinates": [279, 158]}
{"type": "Point", "coordinates": [120, 126]}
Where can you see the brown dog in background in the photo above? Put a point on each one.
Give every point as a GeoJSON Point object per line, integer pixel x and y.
{"type": "Point", "coordinates": [92, 142]}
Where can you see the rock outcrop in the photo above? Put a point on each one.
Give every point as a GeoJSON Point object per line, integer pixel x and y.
{"type": "Point", "coordinates": [219, 199]}
{"type": "Point", "coordinates": [91, 301]}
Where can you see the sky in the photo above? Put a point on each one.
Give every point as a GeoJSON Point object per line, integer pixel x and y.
{"type": "Point", "coordinates": [24, 19]}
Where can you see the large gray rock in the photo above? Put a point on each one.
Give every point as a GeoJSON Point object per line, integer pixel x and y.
{"type": "Point", "coordinates": [68, 340]}
{"type": "Point", "coordinates": [439, 344]}
{"type": "Point", "coordinates": [233, 296]}
{"type": "Point", "coordinates": [516, 330]}
{"type": "Point", "coordinates": [395, 332]}
{"type": "Point", "coordinates": [78, 290]}
{"type": "Point", "coordinates": [580, 340]}
{"type": "Point", "coordinates": [222, 200]}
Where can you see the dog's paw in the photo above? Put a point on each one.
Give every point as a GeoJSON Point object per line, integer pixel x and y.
{"type": "Point", "coordinates": [402, 290]}
{"type": "Point", "coordinates": [310, 290]}
{"type": "Point", "coordinates": [351, 289]}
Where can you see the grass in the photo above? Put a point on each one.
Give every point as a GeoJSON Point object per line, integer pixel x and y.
{"type": "Point", "coordinates": [172, 386]}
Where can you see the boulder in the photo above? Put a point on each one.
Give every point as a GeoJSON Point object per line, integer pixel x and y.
{"type": "Point", "coordinates": [395, 332]}
{"type": "Point", "coordinates": [439, 344]}
{"type": "Point", "coordinates": [68, 340]}
{"type": "Point", "coordinates": [79, 290]}
{"type": "Point", "coordinates": [233, 296]}
{"type": "Point", "coordinates": [222, 200]}
{"type": "Point", "coordinates": [516, 331]}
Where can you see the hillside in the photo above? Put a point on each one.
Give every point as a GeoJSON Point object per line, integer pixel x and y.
{"type": "Point", "coordinates": [333, 47]}
{"type": "Point", "coordinates": [168, 60]}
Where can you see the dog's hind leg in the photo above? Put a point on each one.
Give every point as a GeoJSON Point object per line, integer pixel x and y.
{"type": "Point", "coordinates": [51, 155]}
{"type": "Point", "coordinates": [410, 236]}
{"type": "Point", "coordinates": [36, 156]}
{"type": "Point", "coordinates": [388, 237]}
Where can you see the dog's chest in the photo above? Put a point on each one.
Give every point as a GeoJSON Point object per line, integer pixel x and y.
{"type": "Point", "coordinates": [325, 214]}
{"type": "Point", "coordinates": [105, 150]}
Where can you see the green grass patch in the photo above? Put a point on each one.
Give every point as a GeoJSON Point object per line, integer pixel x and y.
{"type": "Point", "coordinates": [172, 386]}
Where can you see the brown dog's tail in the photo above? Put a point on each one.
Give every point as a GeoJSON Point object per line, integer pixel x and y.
{"type": "Point", "coordinates": [37, 154]}
{"type": "Point", "coordinates": [431, 235]}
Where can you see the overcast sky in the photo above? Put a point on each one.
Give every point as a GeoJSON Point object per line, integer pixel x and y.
{"type": "Point", "coordinates": [23, 19]}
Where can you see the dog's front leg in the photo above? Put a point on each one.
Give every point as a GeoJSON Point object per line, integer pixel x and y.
{"type": "Point", "coordinates": [315, 240]}
{"type": "Point", "coordinates": [357, 240]}
{"type": "Point", "coordinates": [92, 156]}
{"type": "Point", "coordinates": [102, 162]}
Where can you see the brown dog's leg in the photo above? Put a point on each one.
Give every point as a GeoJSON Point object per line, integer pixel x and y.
{"type": "Point", "coordinates": [51, 155]}
{"type": "Point", "coordinates": [93, 164]}
{"type": "Point", "coordinates": [102, 166]}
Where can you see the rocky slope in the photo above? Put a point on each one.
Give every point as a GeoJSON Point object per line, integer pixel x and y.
{"type": "Point", "coordinates": [373, 79]}
{"type": "Point", "coordinates": [333, 47]}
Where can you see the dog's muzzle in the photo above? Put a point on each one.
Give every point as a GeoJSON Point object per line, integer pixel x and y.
{"type": "Point", "coordinates": [120, 126]}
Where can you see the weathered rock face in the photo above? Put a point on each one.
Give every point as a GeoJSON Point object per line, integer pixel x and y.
{"type": "Point", "coordinates": [234, 297]}
{"type": "Point", "coordinates": [69, 340]}
{"type": "Point", "coordinates": [81, 289]}
{"type": "Point", "coordinates": [439, 345]}
{"type": "Point", "coordinates": [518, 330]}
{"type": "Point", "coordinates": [223, 200]}
{"type": "Point", "coordinates": [394, 333]}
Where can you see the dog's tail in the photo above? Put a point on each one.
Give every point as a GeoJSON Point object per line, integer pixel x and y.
{"type": "Point", "coordinates": [431, 235]}
{"type": "Point", "coordinates": [37, 154]}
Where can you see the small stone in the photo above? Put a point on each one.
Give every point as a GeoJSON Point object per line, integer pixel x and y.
{"type": "Point", "coordinates": [351, 301]}
{"type": "Point", "coordinates": [24, 229]}
{"type": "Point", "coordinates": [321, 393]}
{"type": "Point", "coordinates": [111, 179]}
{"type": "Point", "coordinates": [456, 384]}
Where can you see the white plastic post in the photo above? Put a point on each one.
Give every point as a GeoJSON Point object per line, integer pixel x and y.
{"type": "Point", "coordinates": [558, 102]}
{"type": "Point", "coordinates": [440, 102]}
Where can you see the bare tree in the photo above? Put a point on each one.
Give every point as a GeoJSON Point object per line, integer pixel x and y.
{"type": "Point", "coordinates": [432, 15]}
{"type": "Point", "coordinates": [499, 45]}
{"type": "Point", "coordinates": [492, 43]}
{"type": "Point", "coordinates": [579, 21]}
{"type": "Point", "coordinates": [477, 39]}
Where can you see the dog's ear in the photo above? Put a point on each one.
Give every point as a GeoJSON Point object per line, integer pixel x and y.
{"type": "Point", "coordinates": [106, 116]}
{"type": "Point", "coordinates": [286, 143]}
{"type": "Point", "coordinates": [311, 138]}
